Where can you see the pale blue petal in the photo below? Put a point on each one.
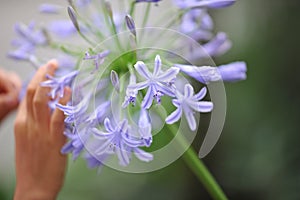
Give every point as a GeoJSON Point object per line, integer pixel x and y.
{"type": "Point", "coordinates": [143, 155]}
{"type": "Point", "coordinates": [122, 155]}
{"type": "Point", "coordinates": [142, 69]}
{"type": "Point", "coordinates": [188, 91]}
{"type": "Point", "coordinates": [100, 134]}
{"type": "Point", "coordinates": [233, 72]}
{"type": "Point", "coordinates": [189, 115]}
{"type": "Point", "coordinates": [147, 101]}
{"type": "Point", "coordinates": [157, 65]}
{"type": "Point", "coordinates": [164, 89]}
{"type": "Point", "coordinates": [174, 116]}
{"type": "Point", "coordinates": [168, 75]}
{"type": "Point", "coordinates": [176, 102]}
{"type": "Point", "coordinates": [123, 126]}
{"type": "Point", "coordinates": [200, 95]}
{"type": "Point", "coordinates": [202, 106]}
{"type": "Point", "coordinates": [132, 142]}
{"type": "Point", "coordinates": [138, 86]}
{"type": "Point", "coordinates": [103, 146]}
{"type": "Point", "coordinates": [108, 125]}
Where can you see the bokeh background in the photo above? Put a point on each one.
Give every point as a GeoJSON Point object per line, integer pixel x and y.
{"type": "Point", "coordinates": [258, 154]}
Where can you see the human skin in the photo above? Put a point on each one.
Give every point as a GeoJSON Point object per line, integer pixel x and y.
{"type": "Point", "coordinates": [10, 85]}
{"type": "Point", "coordinates": [40, 167]}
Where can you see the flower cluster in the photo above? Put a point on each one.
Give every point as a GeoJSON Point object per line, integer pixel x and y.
{"type": "Point", "coordinates": [123, 83]}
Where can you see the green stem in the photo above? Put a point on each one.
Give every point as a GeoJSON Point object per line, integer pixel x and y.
{"type": "Point", "coordinates": [86, 39]}
{"type": "Point", "coordinates": [198, 167]}
{"type": "Point", "coordinates": [132, 8]}
{"type": "Point", "coordinates": [146, 17]}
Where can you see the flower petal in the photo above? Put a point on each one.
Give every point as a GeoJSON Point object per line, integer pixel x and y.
{"type": "Point", "coordinates": [148, 99]}
{"type": "Point", "coordinates": [142, 69]}
{"type": "Point", "coordinates": [188, 91]}
{"type": "Point", "coordinates": [202, 106]}
{"type": "Point", "coordinates": [168, 75]}
{"type": "Point", "coordinates": [122, 155]}
{"type": "Point", "coordinates": [157, 65]}
{"type": "Point", "coordinates": [190, 118]}
{"type": "Point", "coordinates": [138, 86]}
{"type": "Point", "coordinates": [108, 126]}
{"type": "Point", "coordinates": [200, 95]}
{"type": "Point", "coordinates": [174, 116]}
{"type": "Point", "coordinates": [143, 155]}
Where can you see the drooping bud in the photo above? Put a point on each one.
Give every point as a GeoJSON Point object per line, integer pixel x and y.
{"type": "Point", "coordinates": [73, 17]}
{"type": "Point", "coordinates": [130, 24]}
{"type": "Point", "coordinates": [115, 80]}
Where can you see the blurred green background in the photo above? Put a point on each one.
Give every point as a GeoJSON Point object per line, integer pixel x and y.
{"type": "Point", "coordinates": [258, 154]}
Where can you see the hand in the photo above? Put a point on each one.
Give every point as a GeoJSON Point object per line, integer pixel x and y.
{"type": "Point", "coordinates": [40, 167]}
{"type": "Point", "coordinates": [10, 85]}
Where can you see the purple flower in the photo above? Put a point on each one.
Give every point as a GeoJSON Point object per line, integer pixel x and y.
{"type": "Point", "coordinates": [77, 140]}
{"type": "Point", "coordinates": [83, 3]}
{"type": "Point", "coordinates": [98, 58]}
{"type": "Point", "coordinates": [27, 41]}
{"type": "Point", "coordinates": [100, 113]}
{"type": "Point", "coordinates": [118, 140]}
{"type": "Point", "coordinates": [219, 45]}
{"type": "Point", "coordinates": [231, 72]}
{"type": "Point", "coordinates": [57, 85]}
{"type": "Point", "coordinates": [148, 1]}
{"type": "Point", "coordinates": [187, 103]}
{"type": "Point", "coordinates": [197, 24]}
{"type": "Point", "coordinates": [28, 34]}
{"type": "Point", "coordinates": [62, 28]}
{"type": "Point", "coordinates": [77, 113]}
{"type": "Point", "coordinates": [145, 128]}
{"type": "Point", "coordinates": [49, 8]}
{"type": "Point", "coordinates": [158, 82]}
{"type": "Point", "coordinates": [184, 4]}
{"type": "Point", "coordinates": [95, 160]}
{"type": "Point", "coordinates": [130, 93]}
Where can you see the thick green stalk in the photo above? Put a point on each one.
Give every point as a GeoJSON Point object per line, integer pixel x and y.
{"type": "Point", "coordinates": [199, 169]}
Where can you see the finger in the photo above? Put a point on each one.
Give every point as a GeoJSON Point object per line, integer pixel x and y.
{"type": "Point", "coordinates": [15, 80]}
{"type": "Point", "coordinates": [57, 119]}
{"type": "Point", "coordinates": [20, 121]}
{"type": "Point", "coordinates": [5, 82]}
{"type": "Point", "coordinates": [8, 102]}
{"type": "Point", "coordinates": [31, 89]}
{"type": "Point", "coordinates": [41, 97]}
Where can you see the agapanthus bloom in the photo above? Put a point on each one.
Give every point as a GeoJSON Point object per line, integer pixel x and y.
{"type": "Point", "coordinates": [157, 83]}
{"type": "Point", "coordinates": [187, 103]}
{"type": "Point", "coordinates": [57, 85]}
{"type": "Point", "coordinates": [118, 139]}
{"type": "Point", "coordinates": [108, 76]}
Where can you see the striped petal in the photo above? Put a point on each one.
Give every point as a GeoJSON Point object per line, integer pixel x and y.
{"type": "Point", "coordinates": [200, 95]}
{"type": "Point", "coordinates": [142, 69]}
{"type": "Point", "coordinates": [174, 116]}
{"type": "Point", "coordinates": [202, 106]}
{"type": "Point", "coordinates": [189, 115]}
